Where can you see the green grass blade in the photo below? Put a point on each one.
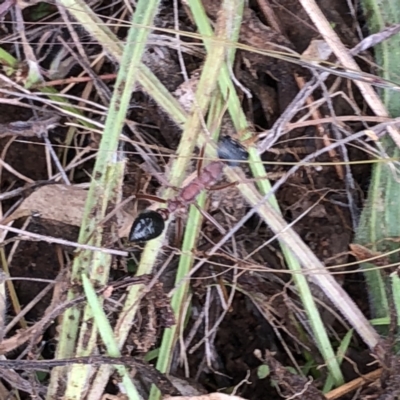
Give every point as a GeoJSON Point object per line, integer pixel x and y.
{"type": "Point", "coordinates": [310, 263]}
{"type": "Point", "coordinates": [380, 219]}
{"type": "Point", "coordinates": [106, 184]}
{"type": "Point", "coordinates": [258, 170]}
{"type": "Point", "coordinates": [107, 336]}
{"type": "Point", "coordinates": [186, 261]}
{"type": "Point", "coordinates": [226, 85]}
{"type": "Point", "coordinates": [216, 57]}
{"type": "Point", "coordinates": [179, 298]}
{"type": "Point", "coordinates": [344, 345]}
{"type": "Point", "coordinates": [81, 11]}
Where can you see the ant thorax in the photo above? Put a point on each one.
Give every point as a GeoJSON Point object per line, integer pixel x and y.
{"type": "Point", "coordinates": [150, 224]}
{"type": "Point", "coordinates": [190, 192]}
{"type": "Point", "coordinates": [211, 174]}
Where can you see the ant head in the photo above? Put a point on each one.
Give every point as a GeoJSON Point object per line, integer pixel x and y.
{"type": "Point", "coordinates": [231, 151]}
{"type": "Point", "coordinates": [148, 225]}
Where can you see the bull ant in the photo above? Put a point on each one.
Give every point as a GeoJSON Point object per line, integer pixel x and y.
{"type": "Point", "coordinates": [150, 224]}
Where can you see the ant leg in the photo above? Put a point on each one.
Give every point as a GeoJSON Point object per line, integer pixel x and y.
{"type": "Point", "coordinates": [206, 215]}
{"type": "Point", "coordinates": [178, 231]}
{"type": "Point", "coordinates": [142, 196]}
{"type": "Point", "coordinates": [200, 161]}
{"type": "Point", "coordinates": [224, 186]}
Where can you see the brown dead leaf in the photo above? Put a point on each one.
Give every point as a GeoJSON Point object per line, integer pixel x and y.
{"type": "Point", "coordinates": [60, 203]}
{"type": "Point", "coordinates": [63, 204]}
{"type": "Point", "coordinates": [361, 253]}
{"type": "Point", "coordinates": [317, 50]}
{"type": "Point", "coordinates": [185, 92]}
{"type": "Point", "coordinates": [31, 128]}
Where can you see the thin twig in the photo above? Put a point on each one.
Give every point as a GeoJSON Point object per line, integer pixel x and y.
{"type": "Point", "coordinates": [63, 242]}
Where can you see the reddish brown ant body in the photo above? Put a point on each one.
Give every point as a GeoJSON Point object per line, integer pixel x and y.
{"type": "Point", "coordinates": [150, 224]}
{"type": "Point", "coordinates": [208, 177]}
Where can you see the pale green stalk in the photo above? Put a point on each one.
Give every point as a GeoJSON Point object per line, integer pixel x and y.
{"type": "Point", "coordinates": [179, 298]}
{"type": "Point", "coordinates": [226, 85]}
{"type": "Point", "coordinates": [186, 261]}
{"type": "Point", "coordinates": [79, 374]}
{"type": "Point", "coordinates": [192, 127]}
{"type": "Point", "coordinates": [216, 59]}
{"type": "Point", "coordinates": [239, 119]}
{"type": "Point", "coordinates": [104, 191]}
{"type": "Point", "coordinates": [395, 290]}
{"type": "Point", "coordinates": [341, 352]}
{"type": "Point", "coordinates": [107, 335]}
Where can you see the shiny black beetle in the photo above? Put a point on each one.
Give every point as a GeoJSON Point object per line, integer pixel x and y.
{"type": "Point", "coordinates": [231, 151]}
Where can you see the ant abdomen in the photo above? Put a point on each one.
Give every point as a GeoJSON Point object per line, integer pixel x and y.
{"type": "Point", "coordinates": [231, 151]}
{"type": "Point", "coordinates": [148, 225]}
